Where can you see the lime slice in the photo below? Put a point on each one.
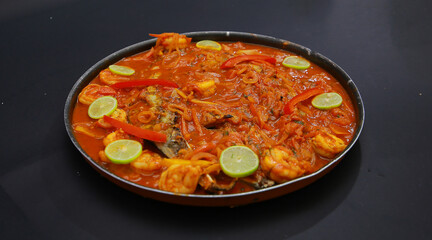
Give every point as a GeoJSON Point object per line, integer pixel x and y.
{"type": "Point", "coordinates": [102, 106]}
{"type": "Point", "coordinates": [209, 44]}
{"type": "Point", "coordinates": [123, 151]}
{"type": "Point", "coordinates": [238, 161]}
{"type": "Point", "coordinates": [121, 70]}
{"type": "Point", "coordinates": [296, 62]}
{"type": "Point", "coordinates": [327, 101]}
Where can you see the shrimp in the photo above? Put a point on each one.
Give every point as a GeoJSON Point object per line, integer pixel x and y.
{"type": "Point", "coordinates": [103, 157]}
{"type": "Point", "coordinates": [107, 77]}
{"type": "Point", "coordinates": [114, 136]}
{"type": "Point", "coordinates": [118, 114]}
{"type": "Point", "coordinates": [93, 92]}
{"type": "Point", "coordinates": [147, 161]}
{"type": "Point", "coordinates": [172, 41]}
{"type": "Point", "coordinates": [327, 145]}
{"type": "Point", "coordinates": [281, 164]}
{"type": "Point", "coordinates": [180, 178]}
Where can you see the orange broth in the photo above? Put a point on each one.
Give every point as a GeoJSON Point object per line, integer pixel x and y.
{"type": "Point", "coordinates": [258, 122]}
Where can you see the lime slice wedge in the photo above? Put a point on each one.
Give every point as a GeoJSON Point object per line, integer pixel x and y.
{"type": "Point", "coordinates": [327, 101]}
{"type": "Point", "coordinates": [296, 62]}
{"type": "Point", "coordinates": [123, 151]}
{"type": "Point", "coordinates": [102, 106]}
{"type": "Point", "coordinates": [238, 161]}
{"type": "Point", "coordinates": [121, 70]}
{"type": "Point", "coordinates": [209, 44]}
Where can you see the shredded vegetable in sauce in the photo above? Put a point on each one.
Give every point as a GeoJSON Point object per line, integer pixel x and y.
{"type": "Point", "coordinates": [186, 103]}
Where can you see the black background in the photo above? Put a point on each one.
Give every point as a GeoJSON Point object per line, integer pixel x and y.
{"type": "Point", "coordinates": [381, 190]}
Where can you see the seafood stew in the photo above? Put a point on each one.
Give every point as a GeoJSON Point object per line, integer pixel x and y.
{"type": "Point", "coordinates": [186, 103]}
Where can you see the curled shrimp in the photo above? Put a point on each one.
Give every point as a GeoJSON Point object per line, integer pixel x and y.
{"type": "Point", "coordinates": [281, 164]}
{"type": "Point", "coordinates": [147, 162]}
{"type": "Point", "coordinates": [107, 77]}
{"type": "Point", "coordinates": [94, 91]}
{"type": "Point", "coordinates": [114, 136]}
{"type": "Point", "coordinates": [118, 114]}
{"type": "Point", "coordinates": [172, 41]}
{"type": "Point", "coordinates": [103, 157]}
{"type": "Point", "coordinates": [327, 145]}
{"type": "Point", "coordinates": [180, 178]}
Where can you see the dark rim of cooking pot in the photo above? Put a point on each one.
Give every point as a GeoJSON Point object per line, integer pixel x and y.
{"type": "Point", "coordinates": [227, 36]}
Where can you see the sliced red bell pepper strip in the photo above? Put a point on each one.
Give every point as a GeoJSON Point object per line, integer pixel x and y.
{"type": "Point", "coordinates": [235, 60]}
{"type": "Point", "coordinates": [136, 131]}
{"type": "Point", "coordinates": [289, 107]}
{"type": "Point", "coordinates": [145, 82]}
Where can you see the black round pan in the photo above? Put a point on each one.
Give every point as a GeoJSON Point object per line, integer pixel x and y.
{"type": "Point", "coordinates": [228, 199]}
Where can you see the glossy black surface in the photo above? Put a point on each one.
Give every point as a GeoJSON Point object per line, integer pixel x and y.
{"type": "Point", "coordinates": [381, 190]}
